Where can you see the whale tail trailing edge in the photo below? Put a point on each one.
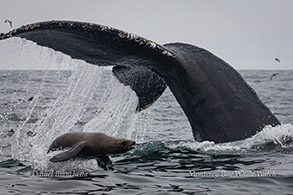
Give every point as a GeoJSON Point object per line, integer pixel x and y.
{"type": "Point", "coordinates": [218, 103]}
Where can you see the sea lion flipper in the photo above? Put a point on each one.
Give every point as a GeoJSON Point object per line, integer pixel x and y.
{"type": "Point", "coordinates": [69, 153]}
{"type": "Point", "coordinates": [105, 162]}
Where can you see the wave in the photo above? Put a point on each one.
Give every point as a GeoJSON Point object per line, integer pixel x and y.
{"type": "Point", "coordinates": [269, 138]}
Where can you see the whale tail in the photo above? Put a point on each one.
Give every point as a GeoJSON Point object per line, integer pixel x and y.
{"type": "Point", "coordinates": [218, 103]}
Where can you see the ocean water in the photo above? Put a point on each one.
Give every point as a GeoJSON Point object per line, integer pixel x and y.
{"type": "Point", "coordinates": [39, 105]}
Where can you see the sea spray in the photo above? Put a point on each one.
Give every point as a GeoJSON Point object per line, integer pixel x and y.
{"type": "Point", "coordinates": [278, 135]}
{"type": "Point", "coordinates": [79, 103]}
{"type": "Point", "coordinates": [115, 110]}
{"type": "Point", "coordinates": [114, 113]}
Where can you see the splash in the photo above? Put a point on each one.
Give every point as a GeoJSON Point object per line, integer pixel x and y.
{"type": "Point", "coordinates": [90, 100]}
{"type": "Point", "coordinates": [21, 54]}
{"type": "Point", "coordinates": [113, 112]}
{"type": "Point", "coordinates": [73, 108]}
{"type": "Point", "coordinates": [280, 135]}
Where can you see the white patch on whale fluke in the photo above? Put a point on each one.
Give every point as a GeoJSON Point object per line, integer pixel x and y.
{"type": "Point", "coordinates": [152, 44]}
{"type": "Point", "coordinates": [167, 53]}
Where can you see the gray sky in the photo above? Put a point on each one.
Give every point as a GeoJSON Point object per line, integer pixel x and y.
{"type": "Point", "coordinates": [248, 34]}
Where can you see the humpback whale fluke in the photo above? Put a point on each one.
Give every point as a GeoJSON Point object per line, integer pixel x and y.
{"type": "Point", "coordinates": [218, 103]}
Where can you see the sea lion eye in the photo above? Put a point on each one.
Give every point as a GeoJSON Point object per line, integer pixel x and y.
{"type": "Point", "coordinates": [124, 143]}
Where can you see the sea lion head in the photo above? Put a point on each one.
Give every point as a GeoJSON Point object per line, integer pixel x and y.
{"type": "Point", "coordinates": [122, 145]}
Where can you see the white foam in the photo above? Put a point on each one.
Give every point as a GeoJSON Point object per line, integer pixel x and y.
{"type": "Point", "coordinates": [278, 135]}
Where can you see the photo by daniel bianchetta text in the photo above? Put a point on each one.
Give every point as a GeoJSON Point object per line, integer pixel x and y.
{"type": "Point", "coordinates": [56, 173]}
{"type": "Point", "coordinates": [231, 174]}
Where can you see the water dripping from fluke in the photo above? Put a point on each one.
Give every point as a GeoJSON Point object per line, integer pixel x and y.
{"type": "Point", "coordinates": [83, 98]}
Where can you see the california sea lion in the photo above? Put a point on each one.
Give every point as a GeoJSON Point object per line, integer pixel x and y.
{"type": "Point", "coordinates": [218, 103]}
{"type": "Point", "coordinates": [89, 146]}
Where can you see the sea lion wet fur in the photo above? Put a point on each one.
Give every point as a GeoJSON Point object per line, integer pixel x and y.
{"type": "Point", "coordinates": [88, 145]}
